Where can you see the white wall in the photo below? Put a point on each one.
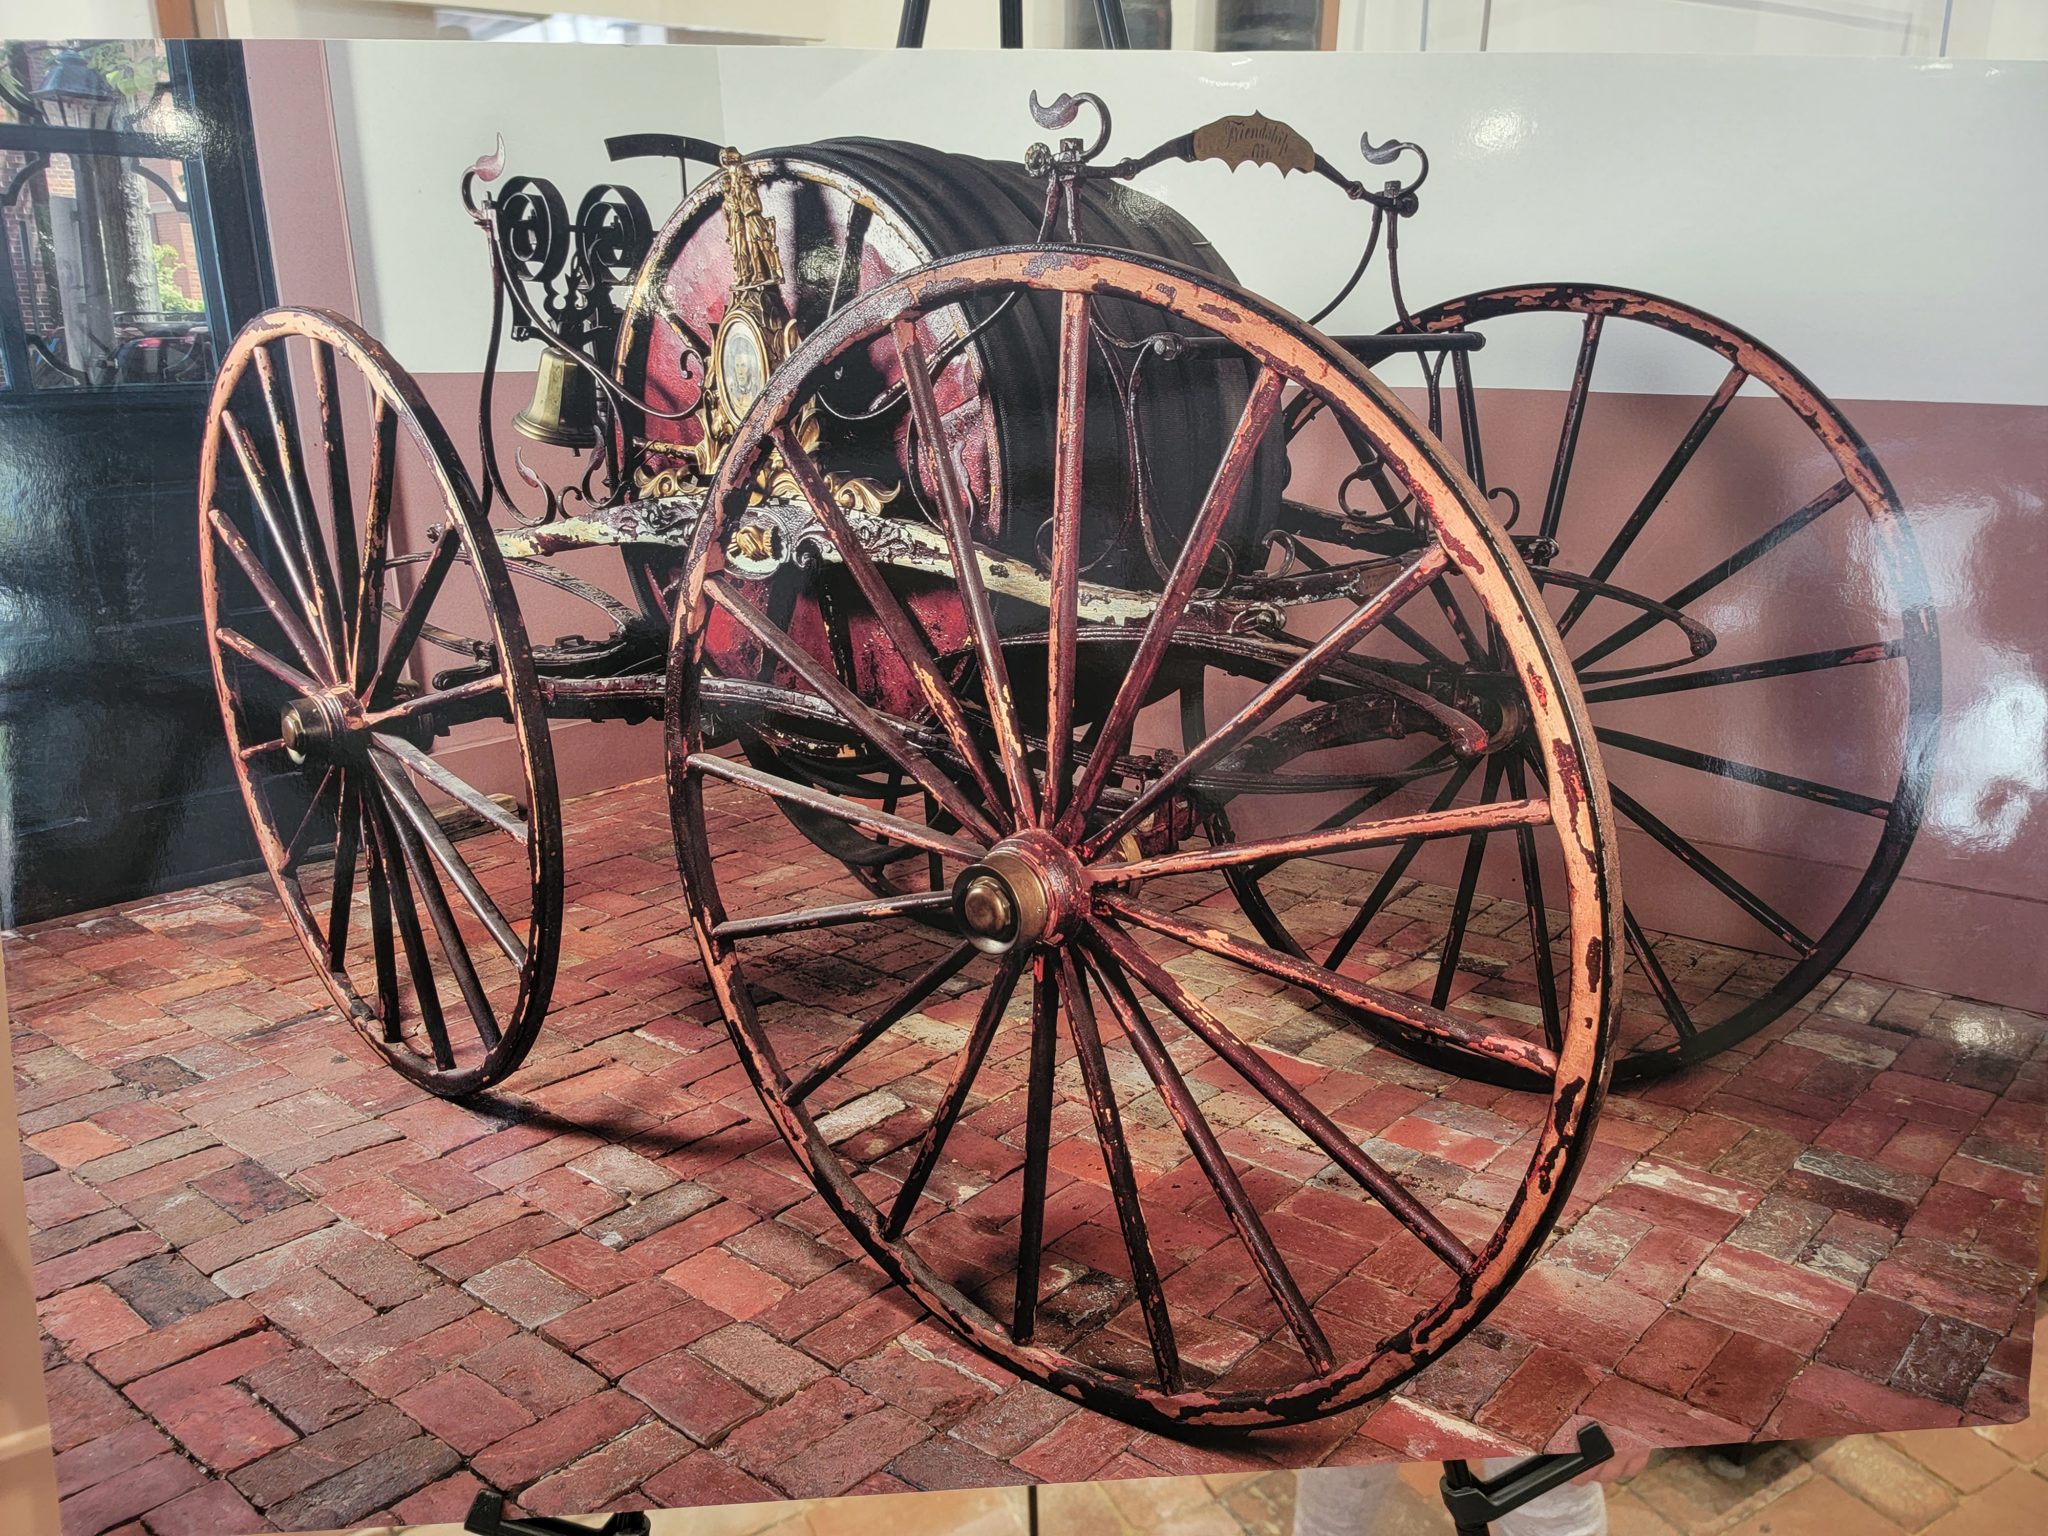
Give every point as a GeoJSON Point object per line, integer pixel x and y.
{"type": "Point", "coordinates": [411, 117]}
{"type": "Point", "coordinates": [1861, 28]}
{"type": "Point", "coordinates": [1856, 213]}
{"type": "Point", "coordinates": [77, 18]}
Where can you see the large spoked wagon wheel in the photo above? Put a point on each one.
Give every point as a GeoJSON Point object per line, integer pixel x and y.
{"type": "Point", "coordinates": [1227, 1252]}
{"type": "Point", "coordinates": [1751, 624]}
{"type": "Point", "coordinates": [378, 785]}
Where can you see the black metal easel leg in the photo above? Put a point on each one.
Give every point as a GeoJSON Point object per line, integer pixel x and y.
{"type": "Point", "coordinates": [1475, 1504]}
{"type": "Point", "coordinates": [1109, 15]}
{"type": "Point", "coordinates": [1013, 23]}
{"type": "Point", "coordinates": [487, 1518]}
{"type": "Point", "coordinates": [910, 24]}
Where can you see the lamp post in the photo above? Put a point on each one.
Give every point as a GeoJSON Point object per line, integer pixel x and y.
{"type": "Point", "coordinates": [105, 259]}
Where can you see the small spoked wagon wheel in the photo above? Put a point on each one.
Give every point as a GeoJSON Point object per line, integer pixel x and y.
{"type": "Point", "coordinates": [406, 809]}
{"type": "Point", "coordinates": [1094, 1127]}
{"type": "Point", "coordinates": [1747, 614]}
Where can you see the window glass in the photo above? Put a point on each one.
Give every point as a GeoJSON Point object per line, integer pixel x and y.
{"type": "Point", "coordinates": [100, 280]}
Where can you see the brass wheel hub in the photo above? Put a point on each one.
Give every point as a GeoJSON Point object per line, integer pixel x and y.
{"type": "Point", "coordinates": [318, 726]}
{"type": "Point", "coordinates": [1029, 890]}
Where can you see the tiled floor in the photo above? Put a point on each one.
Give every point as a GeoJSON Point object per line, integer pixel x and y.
{"type": "Point", "coordinates": [281, 1287]}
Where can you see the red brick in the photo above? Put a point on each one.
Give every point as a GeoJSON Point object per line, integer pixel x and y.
{"type": "Point", "coordinates": [153, 1351]}
{"type": "Point", "coordinates": [935, 1390]}
{"type": "Point", "coordinates": [1539, 1396]}
{"type": "Point", "coordinates": [223, 1250]}
{"type": "Point", "coordinates": [1745, 1379]}
{"type": "Point", "coordinates": [90, 1263]}
{"type": "Point", "coordinates": [1642, 1417]}
{"type": "Point", "coordinates": [524, 1292]}
{"type": "Point", "coordinates": [112, 1454]}
{"type": "Point", "coordinates": [307, 1463]}
{"type": "Point", "coordinates": [556, 1440]}
{"type": "Point", "coordinates": [80, 1408]}
{"type": "Point", "coordinates": [842, 1459]}
{"type": "Point", "coordinates": [88, 1319]}
{"type": "Point", "coordinates": [224, 1427]}
{"type": "Point", "coordinates": [215, 1368]}
{"type": "Point", "coordinates": [1825, 1401]}
{"type": "Point", "coordinates": [737, 1288]}
{"type": "Point", "coordinates": [1075, 1450]}
{"type": "Point", "coordinates": [371, 1485]}
{"type": "Point", "coordinates": [700, 1401]}
{"type": "Point", "coordinates": [534, 1372]}
{"type": "Point", "coordinates": [592, 1268]}
{"type": "Point", "coordinates": [212, 1509]}
{"type": "Point", "coordinates": [1871, 1336]}
{"type": "Point", "coordinates": [704, 1477]}
{"type": "Point", "coordinates": [444, 1503]}
{"type": "Point", "coordinates": [597, 1481]}
{"type": "Point", "coordinates": [1670, 1357]}
{"type": "Point", "coordinates": [467, 1413]}
{"type": "Point", "coordinates": [154, 1483]}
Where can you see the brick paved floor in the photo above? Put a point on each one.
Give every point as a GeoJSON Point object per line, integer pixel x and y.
{"type": "Point", "coordinates": [281, 1287]}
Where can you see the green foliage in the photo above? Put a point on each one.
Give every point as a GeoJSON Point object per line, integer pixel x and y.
{"type": "Point", "coordinates": [168, 295]}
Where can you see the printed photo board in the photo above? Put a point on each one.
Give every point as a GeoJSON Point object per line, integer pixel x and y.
{"type": "Point", "coordinates": [746, 774]}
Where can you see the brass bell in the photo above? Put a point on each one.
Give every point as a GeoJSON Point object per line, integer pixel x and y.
{"type": "Point", "coordinates": [563, 411]}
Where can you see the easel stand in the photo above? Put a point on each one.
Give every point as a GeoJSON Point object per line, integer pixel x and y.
{"type": "Point", "coordinates": [1476, 1504]}
{"type": "Point", "coordinates": [487, 1518]}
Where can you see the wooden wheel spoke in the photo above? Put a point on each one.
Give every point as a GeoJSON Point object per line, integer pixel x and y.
{"type": "Point", "coordinates": [879, 731]}
{"type": "Point", "coordinates": [1717, 877]}
{"type": "Point", "coordinates": [341, 899]}
{"type": "Point", "coordinates": [1574, 416]}
{"type": "Point", "coordinates": [1249, 1064]}
{"type": "Point", "coordinates": [413, 848]}
{"type": "Point", "coordinates": [1714, 575]}
{"type": "Point", "coordinates": [1468, 885]}
{"type": "Point", "coordinates": [1653, 498]}
{"type": "Point", "coordinates": [1539, 917]}
{"type": "Point", "coordinates": [891, 828]}
{"type": "Point", "coordinates": [1653, 971]}
{"type": "Point", "coordinates": [412, 617]}
{"type": "Point", "coordinates": [295, 845]}
{"type": "Point", "coordinates": [418, 963]}
{"type": "Point", "coordinates": [947, 1113]}
{"type": "Point", "coordinates": [905, 1003]}
{"type": "Point", "coordinates": [455, 788]}
{"type": "Point", "coordinates": [262, 749]}
{"type": "Point", "coordinates": [1745, 773]}
{"type": "Point", "coordinates": [368, 618]}
{"type": "Point", "coordinates": [283, 671]}
{"type": "Point", "coordinates": [293, 555]}
{"type": "Point", "coordinates": [422, 705]}
{"type": "Point", "coordinates": [1135, 689]}
{"type": "Point", "coordinates": [895, 620]}
{"type": "Point", "coordinates": [807, 918]}
{"type": "Point", "coordinates": [299, 497]}
{"type": "Point", "coordinates": [380, 920]}
{"type": "Point", "coordinates": [1745, 672]}
{"type": "Point", "coordinates": [1390, 877]}
{"type": "Point", "coordinates": [340, 497]}
{"type": "Point", "coordinates": [1406, 1020]}
{"type": "Point", "coordinates": [1476, 820]}
{"type": "Point", "coordinates": [1264, 704]}
{"type": "Point", "coordinates": [273, 601]}
{"type": "Point", "coordinates": [416, 824]}
{"type": "Point", "coordinates": [1123, 1179]}
{"type": "Point", "coordinates": [957, 515]}
{"type": "Point", "coordinates": [1045, 1025]}
{"type": "Point", "coordinates": [1214, 1161]}
{"type": "Point", "coordinates": [1065, 576]}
